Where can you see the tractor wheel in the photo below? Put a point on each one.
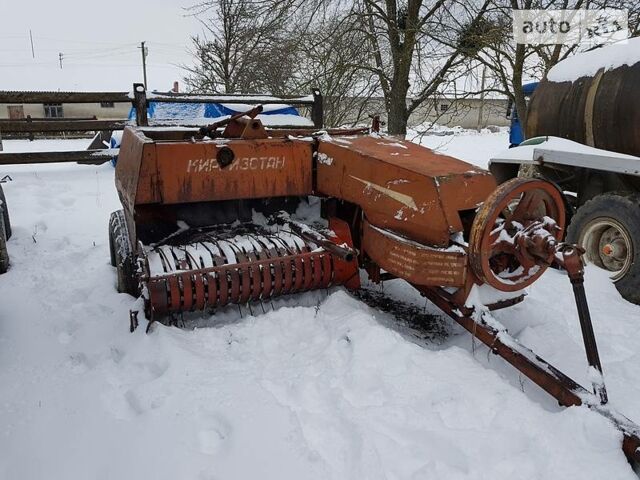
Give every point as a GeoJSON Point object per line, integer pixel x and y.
{"type": "Point", "coordinates": [5, 214]}
{"type": "Point", "coordinates": [121, 255]}
{"type": "Point", "coordinates": [4, 254]}
{"type": "Point", "coordinates": [608, 228]}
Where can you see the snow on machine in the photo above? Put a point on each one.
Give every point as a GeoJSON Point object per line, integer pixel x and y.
{"type": "Point", "coordinates": [207, 223]}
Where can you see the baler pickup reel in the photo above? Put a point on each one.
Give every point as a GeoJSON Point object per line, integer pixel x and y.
{"type": "Point", "coordinates": [211, 268]}
{"type": "Point", "coordinates": [209, 220]}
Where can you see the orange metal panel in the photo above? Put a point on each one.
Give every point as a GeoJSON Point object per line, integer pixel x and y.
{"type": "Point", "coordinates": [400, 185]}
{"type": "Point", "coordinates": [189, 172]}
{"type": "Point", "coordinates": [136, 161]}
{"type": "Point", "coordinates": [415, 263]}
{"type": "Point", "coordinates": [128, 166]}
{"type": "Point", "coordinates": [345, 273]}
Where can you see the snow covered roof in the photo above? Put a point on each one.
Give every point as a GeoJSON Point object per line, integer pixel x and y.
{"type": "Point", "coordinates": [588, 63]}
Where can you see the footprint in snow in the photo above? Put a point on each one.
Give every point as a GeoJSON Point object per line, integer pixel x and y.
{"type": "Point", "coordinates": [154, 369]}
{"type": "Point", "coordinates": [212, 439]}
{"type": "Point", "coordinates": [79, 363]}
{"type": "Point", "coordinates": [116, 354]}
{"type": "Point", "coordinates": [134, 402]}
{"type": "Point", "coordinates": [64, 338]}
{"type": "Point", "coordinates": [67, 201]}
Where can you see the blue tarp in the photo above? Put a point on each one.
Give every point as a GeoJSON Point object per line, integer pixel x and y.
{"type": "Point", "coordinates": [186, 111]}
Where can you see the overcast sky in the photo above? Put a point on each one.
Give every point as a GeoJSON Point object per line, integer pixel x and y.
{"type": "Point", "coordinates": [99, 41]}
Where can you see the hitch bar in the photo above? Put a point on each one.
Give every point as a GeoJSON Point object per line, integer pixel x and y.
{"type": "Point", "coordinates": [564, 389]}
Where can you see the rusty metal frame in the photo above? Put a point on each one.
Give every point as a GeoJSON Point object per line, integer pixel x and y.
{"type": "Point", "coordinates": [93, 157]}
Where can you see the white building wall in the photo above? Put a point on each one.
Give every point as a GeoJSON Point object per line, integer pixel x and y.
{"type": "Point", "coordinates": [74, 110]}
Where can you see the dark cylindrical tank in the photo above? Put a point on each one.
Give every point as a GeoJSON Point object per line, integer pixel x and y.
{"type": "Point", "coordinates": [601, 110]}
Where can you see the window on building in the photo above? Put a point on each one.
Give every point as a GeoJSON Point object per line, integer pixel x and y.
{"type": "Point", "coordinates": [444, 107]}
{"type": "Point", "coordinates": [107, 105]}
{"type": "Point", "coordinates": [53, 110]}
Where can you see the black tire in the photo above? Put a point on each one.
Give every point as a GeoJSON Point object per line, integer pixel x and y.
{"type": "Point", "coordinates": [5, 214]}
{"type": "Point", "coordinates": [121, 255]}
{"type": "Point", "coordinates": [112, 242]}
{"type": "Point", "coordinates": [608, 227]}
{"type": "Point", "coordinates": [4, 253]}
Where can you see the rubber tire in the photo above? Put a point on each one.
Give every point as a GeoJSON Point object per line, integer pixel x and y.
{"type": "Point", "coordinates": [625, 209]}
{"type": "Point", "coordinates": [4, 253]}
{"type": "Point", "coordinates": [121, 255]}
{"type": "Point", "coordinates": [5, 214]}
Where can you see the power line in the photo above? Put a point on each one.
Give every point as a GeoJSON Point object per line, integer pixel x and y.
{"type": "Point", "coordinates": [29, 64]}
{"type": "Point", "coordinates": [79, 42]}
{"type": "Point", "coordinates": [89, 56]}
{"type": "Point", "coordinates": [69, 63]}
{"type": "Point", "coordinates": [91, 51]}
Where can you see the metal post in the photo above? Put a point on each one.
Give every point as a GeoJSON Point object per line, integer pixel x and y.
{"type": "Point", "coordinates": [572, 263]}
{"type": "Point", "coordinates": [317, 109]}
{"type": "Point", "coordinates": [140, 104]}
{"type": "Point", "coordinates": [144, 63]}
{"type": "Point", "coordinates": [29, 120]}
{"type": "Point", "coordinates": [481, 107]}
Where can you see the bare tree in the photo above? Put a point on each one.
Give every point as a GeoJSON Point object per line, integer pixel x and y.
{"type": "Point", "coordinates": [244, 46]}
{"type": "Point", "coordinates": [329, 58]}
{"type": "Point", "coordinates": [278, 47]}
{"type": "Point", "coordinates": [414, 49]}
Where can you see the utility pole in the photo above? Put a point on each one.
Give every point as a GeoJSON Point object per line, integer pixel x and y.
{"type": "Point", "coordinates": [60, 56]}
{"type": "Point", "coordinates": [144, 62]}
{"type": "Point", "coordinates": [481, 107]}
{"type": "Point", "coordinates": [33, 52]}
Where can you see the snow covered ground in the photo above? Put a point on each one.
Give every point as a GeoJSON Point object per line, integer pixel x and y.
{"type": "Point", "coordinates": [323, 387]}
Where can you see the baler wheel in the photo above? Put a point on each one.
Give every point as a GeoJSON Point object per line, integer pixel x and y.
{"type": "Point", "coordinates": [121, 255]}
{"type": "Point", "coordinates": [502, 232]}
{"type": "Point", "coordinates": [4, 254]}
{"type": "Point", "coordinates": [5, 214]}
